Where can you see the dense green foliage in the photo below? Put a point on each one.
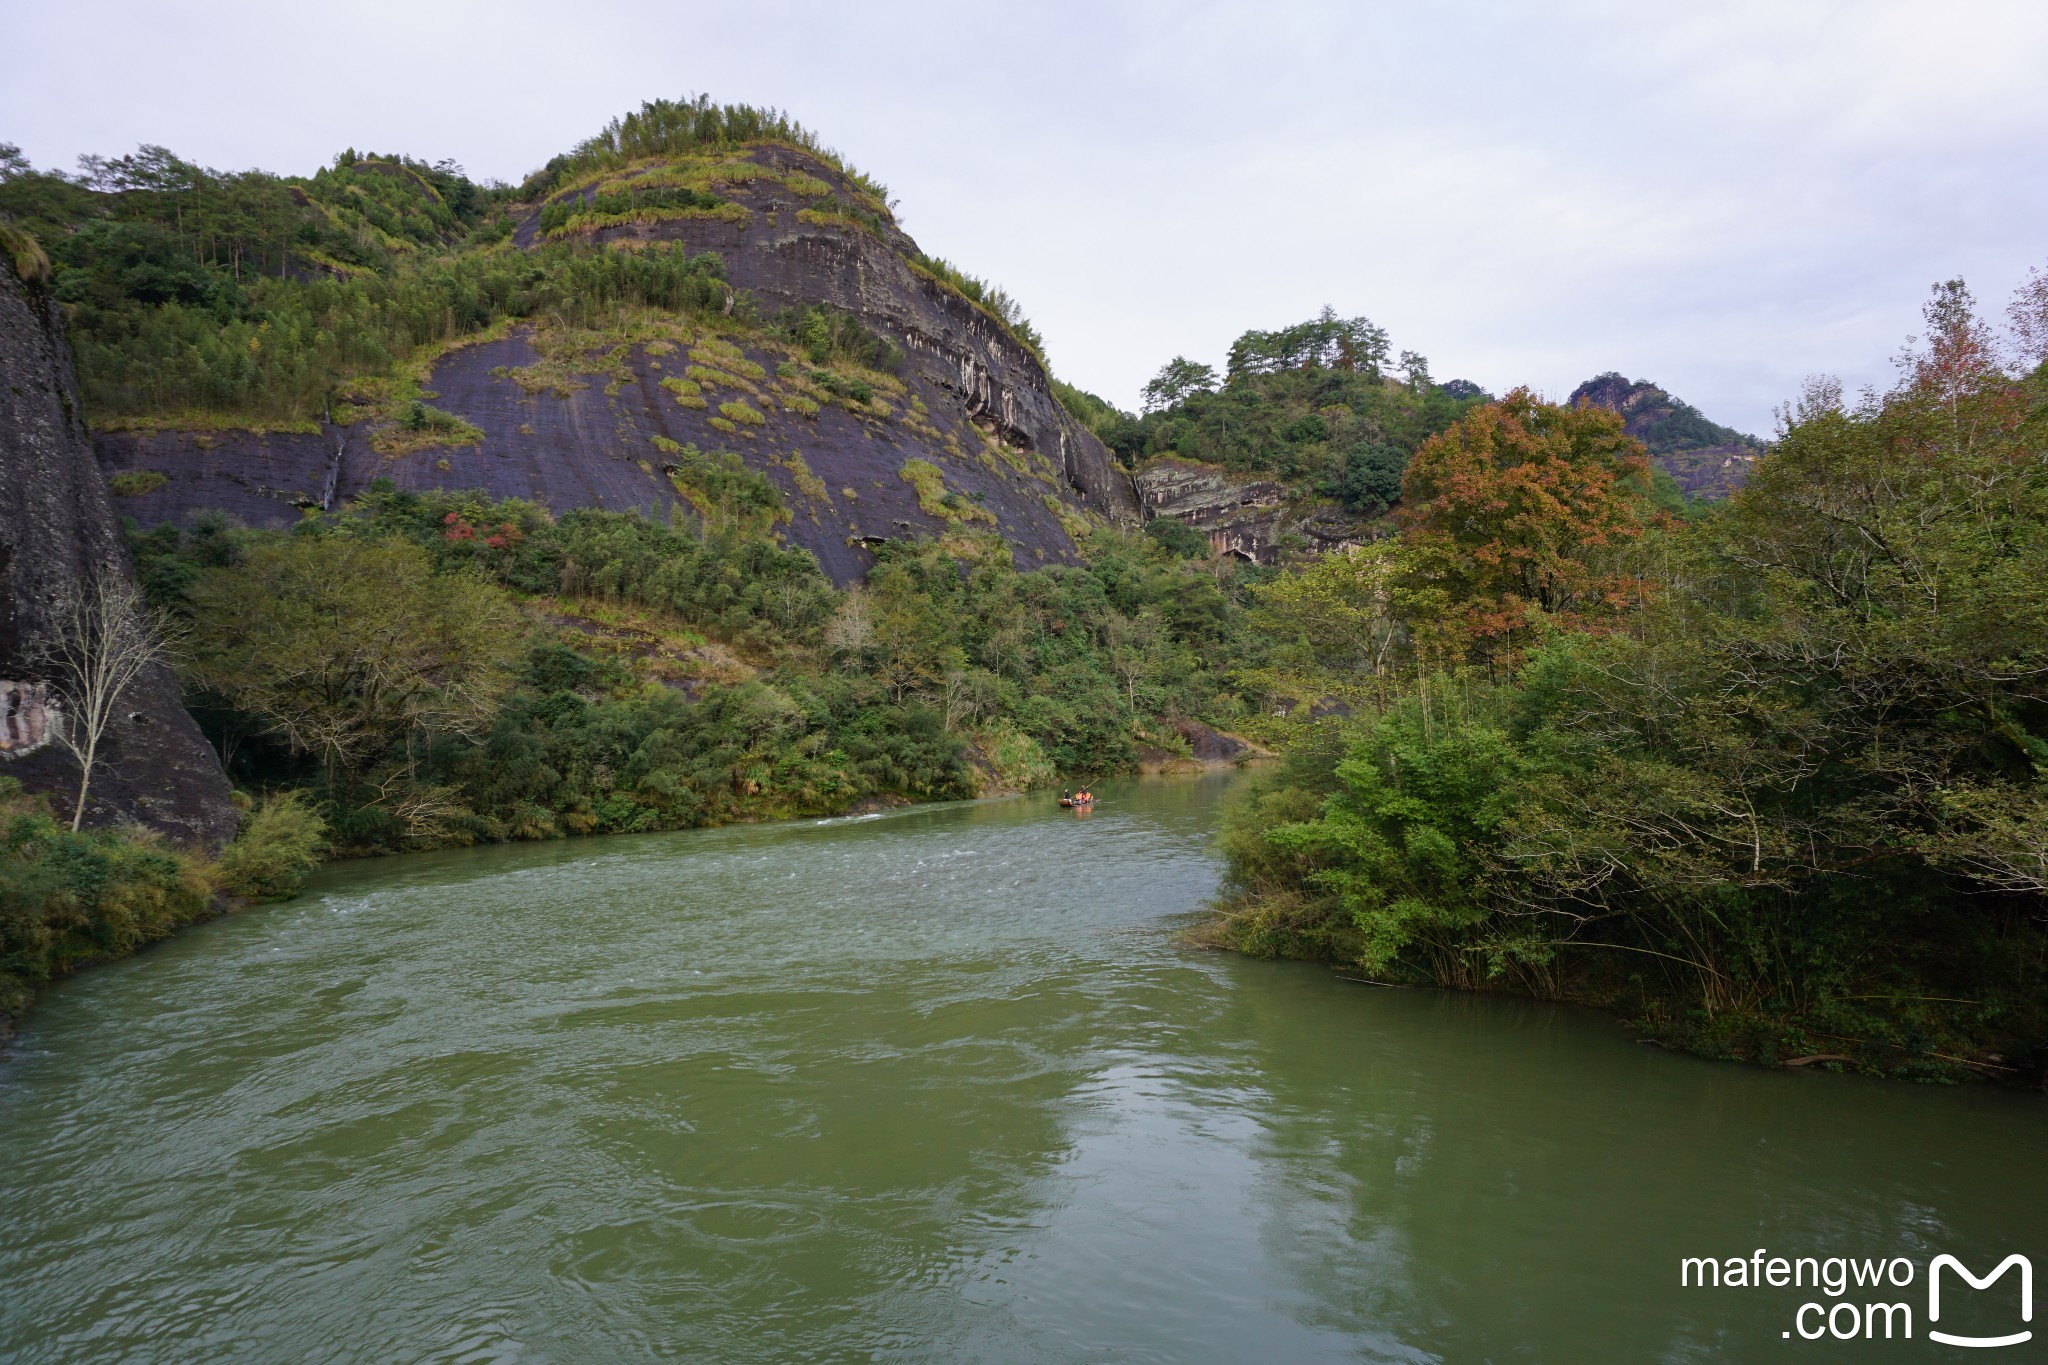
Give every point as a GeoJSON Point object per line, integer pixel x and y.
{"type": "Point", "coordinates": [664, 676]}
{"type": "Point", "coordinates": [281, 840]}
{"type": "Point", "coordinates": [1790, 801]}
{"type": "Point", "coordinates": [71, 898]}
{"type": "Point", "coordinates": [828, 334]}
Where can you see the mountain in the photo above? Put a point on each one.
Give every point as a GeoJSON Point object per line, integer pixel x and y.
{"type": "Point", "coordinates": [1706, 460]}
{"type": "Point", "coordinates": [693, 286]}
{"type": "Point", "coordinates": [57, 534]}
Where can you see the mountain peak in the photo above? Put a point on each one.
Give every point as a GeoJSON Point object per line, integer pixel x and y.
{"type": "Point", "coordinates": [1706, 459]}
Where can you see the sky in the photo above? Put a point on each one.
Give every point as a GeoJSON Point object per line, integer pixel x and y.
{"type": "Point", "coordinates": [1724, 196]}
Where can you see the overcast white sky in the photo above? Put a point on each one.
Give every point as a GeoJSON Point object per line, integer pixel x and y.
{"type": "Point", "coordinates": [1720, 195]}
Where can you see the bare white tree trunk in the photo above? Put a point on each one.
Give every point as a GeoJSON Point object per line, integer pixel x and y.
{"type": "Point", "coordinates": [102, 638]}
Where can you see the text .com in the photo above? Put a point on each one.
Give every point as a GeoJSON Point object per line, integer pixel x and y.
{"type": "Point", "coordinates": [1880, 1311]}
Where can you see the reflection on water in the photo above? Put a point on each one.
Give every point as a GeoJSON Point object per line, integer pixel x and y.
{"type": "Point", "coordinates": [931, 1085]}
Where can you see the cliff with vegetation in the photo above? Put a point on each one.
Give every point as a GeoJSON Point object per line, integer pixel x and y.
{"type": "Point", "coordinates": [674, 486]}
{"type": "Point", "coordinates": [1297, 448]}
{"type": "Point", "coordinates": [668, 290]}
{"type": "Point", "coordinates": [58, 538]}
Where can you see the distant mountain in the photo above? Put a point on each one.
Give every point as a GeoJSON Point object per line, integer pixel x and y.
{"type": "Point", "coordinates": [1707, 459]}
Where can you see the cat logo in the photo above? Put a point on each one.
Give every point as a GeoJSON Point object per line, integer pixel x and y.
{"type": "Point", "coordinates": [2026, 1298]}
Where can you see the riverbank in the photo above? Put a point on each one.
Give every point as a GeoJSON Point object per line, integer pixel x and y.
{"type": "Point", "coordinates": [73, 899]}
{"type": "Point", "coordinates": [1368, 848]}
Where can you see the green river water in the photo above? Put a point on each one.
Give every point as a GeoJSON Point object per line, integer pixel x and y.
{"type": "Point", "coordinates": [936, 1085]}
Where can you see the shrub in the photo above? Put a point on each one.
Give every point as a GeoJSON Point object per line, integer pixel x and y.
{"type": "Point", "coordinates": [422, 428]}
{"type": "Point", "coordinates": [1372, 477]}
{"type": "Point", "coordinates": [685, 392]}
{"type": "Point", "coordinates": [21, 247]}
{"type": "Point", "coordinates": [1305, 430]}
{"type": "Point", "coordinates": [134, 483]}
{"type": "Point", "coordinates": [68, 898]}
{"type": "Point", "coordinates": [281, 841]}
{"type": "Point", "coordinates": [930, 483]}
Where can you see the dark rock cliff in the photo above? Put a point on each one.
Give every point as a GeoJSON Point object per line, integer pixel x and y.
{"type": "Point", "coordinates": [1706, 459]}
{"type": "Point", "coordinates": [975, 403]}
{"type": "Point", "coordinates": [58, 531]}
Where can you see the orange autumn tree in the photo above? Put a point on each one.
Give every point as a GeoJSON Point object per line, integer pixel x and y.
{"type": "Point", "coordinates": [1520, 510]}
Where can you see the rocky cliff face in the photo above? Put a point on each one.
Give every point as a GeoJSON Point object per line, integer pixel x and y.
{"type": "Point", "coordinates": [1244, 515]}
{"type": "Point", "coordinates": [974, 403]}
{"type": "Point", "coordinates": [57, 532]}
{"type": "Point", "coordinates": [1707, 460]}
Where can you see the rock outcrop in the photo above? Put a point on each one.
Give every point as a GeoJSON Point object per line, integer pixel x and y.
{"type": "Point", "coordinates": [1706, 459]}
{"type": "Point", "coordinates": [1243, 514]}
{"type": "Point", "coordinates": [58, 533]}
{"type": "Point", "coordinates": [976, 404]}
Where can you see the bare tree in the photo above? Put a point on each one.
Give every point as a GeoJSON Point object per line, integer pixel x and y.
{"type": "Point", "coordinates": [851, 631]}
{"type": "Point", "coordinates": [101, 639]}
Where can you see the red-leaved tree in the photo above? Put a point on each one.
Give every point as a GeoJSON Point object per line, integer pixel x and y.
{"type": "Point", "coordinates": [1525, 507]}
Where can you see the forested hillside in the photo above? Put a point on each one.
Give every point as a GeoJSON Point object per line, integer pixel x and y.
{"type": "Point", "coordinates": [1300, 445]}
{"type": "Point", "coordinates": [1771, 782]}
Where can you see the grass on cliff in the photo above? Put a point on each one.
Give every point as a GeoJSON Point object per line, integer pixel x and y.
{"type": "Point", "coordinates": [694, 125]}
{"type": "Point", "coordinates": [1005, 311]}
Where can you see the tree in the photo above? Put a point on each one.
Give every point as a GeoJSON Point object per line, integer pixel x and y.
{"type": "Point", "coordinates": [102, 639]}
{"type": "Point", "coordinates": [1372, 476]}
{"type": "Point", "coordinates": [1325, 340]}
{"type": "Point", "coordinates": [851, 631]}
{"type": "Point", "coordinates": [1523, 507]}
{"type": "Point", "coordinates": [970, 694]}
{"type": "Point", "coordinates": [1136, 650]}
{"type": "Point", "coordinates": [1338, 624]}
{"type": "Point", "coordinates": [1177, 538]}
{"type": "Point", "coordinates": [346, 647]}
{"type": "Point", "coordinates": [1177, 381]}
{"type": "Point", "coordinates": [913, 634]}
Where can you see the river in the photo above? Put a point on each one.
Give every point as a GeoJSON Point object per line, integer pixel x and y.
{"type": "Point", "coordinates": [933, 1085]}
